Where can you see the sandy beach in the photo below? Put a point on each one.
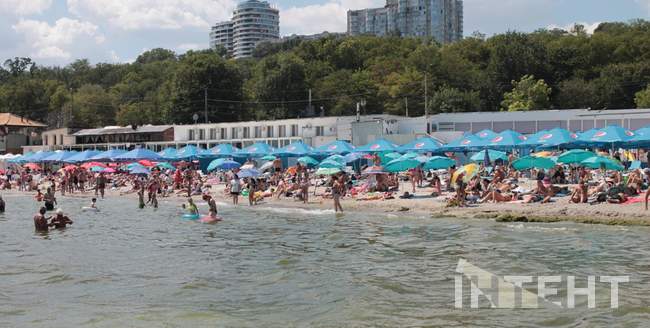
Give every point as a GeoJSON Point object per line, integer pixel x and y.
{"type": "Point", "coordinates": [425, 206]}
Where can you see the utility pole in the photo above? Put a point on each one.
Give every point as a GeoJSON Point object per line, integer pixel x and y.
{"type": "Point", "coordinates": [406, 103]}
{"type": "Point", "coordinates": [205, 106]}
{"type": "Point", "coordinates": [426, 104]}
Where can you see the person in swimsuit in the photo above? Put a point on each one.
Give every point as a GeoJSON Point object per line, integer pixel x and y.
{"type": "Point", "coordinates": [235, 189]}
{"type": "Point", "coordinates": [101, 184]}
{"type": "Point", "coordinates": [211, 203]}
{"type": "Point", "coordinates": [141, 197]}
{"type": "Point", "coordinates": [60, 221]}
{"type": "Point", "coordinates": [191, 207]}
{"type": "Point", "coordinates": [49, 199]}
{"type": "Point", "coordinates": [337, 188]}
{"type": "Point", "coordinates": [40, 221]}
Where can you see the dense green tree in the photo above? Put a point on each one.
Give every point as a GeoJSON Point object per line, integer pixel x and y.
{"type": "Point", "coordinates": [201, 74]}
{"type": "Point", "coordinates": [91, 106]}
{"type": "Point", "coordinates": [527, 94]}
{"type": "Point", "coordinates": [576, 93]}
{"type": "Point", "coordinates": [447, 100]}
{"type": "Point", "coordinates": [642, 98]}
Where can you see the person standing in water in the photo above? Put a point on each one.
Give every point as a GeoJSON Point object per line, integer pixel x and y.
{"type": "Point", "coordinates": [235, 188]}
{"type": "Point", "coordinates": [100, 184]}
{"type": "Point", "coordinates": [40, 221]}
{"type": "Point", "coordinates": [60, 221]}
{"type": "Point", "coordinates": [50, 200]}
{"type": "Point", "coordinates": [337, 188]}
{"type": "Point", "coordinates": [2, 205]}
{"type": "Point", "coordinates": [141, 197]}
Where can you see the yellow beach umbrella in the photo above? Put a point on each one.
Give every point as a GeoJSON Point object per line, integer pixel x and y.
{"type": "Point", "coordinates": [543, 154]}
{"type": "Point", "coordinates": [470, 170]}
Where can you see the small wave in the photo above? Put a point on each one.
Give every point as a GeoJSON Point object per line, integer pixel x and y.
{"type": "Point", "coordinates": [538, 228]}
{"type": "Point", "coordinates": [289, 210]}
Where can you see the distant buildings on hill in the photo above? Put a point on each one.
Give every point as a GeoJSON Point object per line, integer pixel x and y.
{"type": "Point", "coordinates": [438, 19]}
{"type": "Point", "coordinates": [255, 21]}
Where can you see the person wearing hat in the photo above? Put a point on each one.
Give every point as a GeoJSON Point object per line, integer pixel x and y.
{"type": "Point", "coordinates": [60, 221]}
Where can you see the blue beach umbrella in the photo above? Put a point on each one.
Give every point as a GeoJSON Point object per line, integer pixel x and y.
{"type": "Point", "coordinates": [108, 155]}
{"type": "Point", "coordinates": [139, 154]}
{"type": "Point", "coordinates": [223, 164]}
{"type": "Point", "coordinates": [83, 156]}
{"type": "Point", "coordinates": [296, 149]}
{"type": "Point", "coordinates": [378, 146]}
{"type": "Point", "coordinates": [466, 143]}
{"type": "Point", "coordinates": [438, 163]}
{"type": "Point", "coordinates": [59, 156]}
{"type": "Point", "coordinates": [169, 153]}
{"type": "Point", "coordinates": [611, 137]}
{"type": "Point", "coordinates": [139, 171]}
{"type": "Point", "coordinates": [249, 173]}
{"type": "Point", "coordinates": [556, 138]}
{"type": "Point", "coordinates": [224, 150]}
{"type": "Point", "coordinates": [492, 155]}
{"type": "Point", "coordinates": [641, 139]}
{"type": "Point", "coordinates": [39, 156]}
{"type": "Point", "coordinates": [485, 134]}
{"type": "Point", "coordinates": [505, 140]}
{"type": "Point", "coordinates": [351, 157]}
{"type": "Point", "coordinates": [421, 145]}
{"type": "Point", "coordinates": [402, 164]}
{"type": "Point", "coordinates": [255, 150]}
{"type": "Point", "coordinates": [335, 147]}
{"type": "Point", "coordinates": [190, 153]}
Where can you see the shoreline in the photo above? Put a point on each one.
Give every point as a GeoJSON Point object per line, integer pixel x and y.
{"type": "Point", "coordinates": [435, 208]}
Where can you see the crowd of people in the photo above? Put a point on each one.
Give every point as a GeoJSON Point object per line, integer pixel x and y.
{"type": "Point", "coordinates": [499, 183]}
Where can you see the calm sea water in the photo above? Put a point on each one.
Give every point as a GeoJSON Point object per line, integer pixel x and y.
{"type": "Point", "coordinates": [263, 267]}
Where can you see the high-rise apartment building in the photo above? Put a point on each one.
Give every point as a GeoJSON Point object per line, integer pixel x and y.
{"type": "Point", "coordinates": [253, 21]}
{"type": "Point", "coordinates": [439, 19]}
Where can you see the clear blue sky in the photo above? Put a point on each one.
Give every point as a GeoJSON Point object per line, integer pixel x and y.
{"type": "Point", "coordinates": [59, 31]}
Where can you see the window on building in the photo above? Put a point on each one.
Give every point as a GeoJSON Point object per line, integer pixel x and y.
{"type": "Point", "coordinates": [282, 131]}
{"type": "Point", "coordinates": [269, 131]}
{"type": "Point", "coordinates": [190, 134]}
{"type": "Point", "coordinates": [213, 134]}
{"type": "Point", "coordinates": [294, 130]}
{"type": "Point", "coordinates": [320, 131]}
{"type": "Point", "coordinates": [233, 133]}
{"type": "Point", "coordinates": [224, 133]}
{"type": "Point", "coordinates": [45, 139]}
{"type": "Point", "coordinates": [247, 132]}
{"type": "Point", "coordinates": [60, 139]}
{"type": "Point", "coordinates": [258, 132]}
{"type": "Point", "coordinates": [201, 134]}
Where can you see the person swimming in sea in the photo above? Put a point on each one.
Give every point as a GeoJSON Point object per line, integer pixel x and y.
{"type": "Point", "coordinates": [40, 221]}
{"type": "Point", "coordinates": [60, 221]}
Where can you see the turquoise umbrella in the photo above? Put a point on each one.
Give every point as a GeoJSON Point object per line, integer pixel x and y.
{"type": "Point", "coordinates": [422, 145]}
{"type": "Point", "coordinates": [308, 161]}
{"type": "Point", "coordinates": [599, 162]}
{"type": "Point", "coordinates": [328, 171]}
{"type": "Point", "coordinates": [334, 147]}
{"type": "Point", "coordinates": [438, 163]}
{"type": "Point", "coordinates": [330, 165]}
{"type": "Point", "coordinates": [166, 166]}
{"type": "Point", "coordinates": [296, 149]}
{"type": "Point", "coordinates": [575, 156]}
{"type": "Point", "coordinates": [336, 158]}
{"type": "Point", "coordinates": [391, 156]}
{"type": "Point", "coordinates": [402, 164]}
{"type": "Point", "coordinates": [269, 158]}
{"type": "Point", "coordinates": [493, 155]}
{"type": "Point", "coordinates": [530, 162]}
{"type": "Point", "coordinates": [169, 153]}
{"type": "Point", "coordinates": [377, 146]}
